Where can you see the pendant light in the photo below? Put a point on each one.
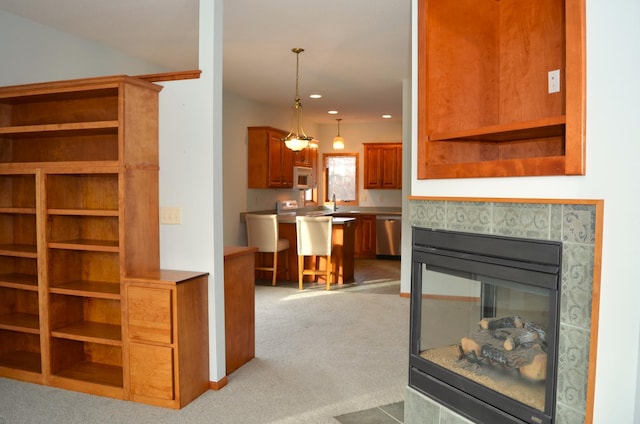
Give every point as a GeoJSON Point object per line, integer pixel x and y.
{"type": "Point", "coordinates": [297, 140]}
{"type": "Point", "coordinates": [338, 141]}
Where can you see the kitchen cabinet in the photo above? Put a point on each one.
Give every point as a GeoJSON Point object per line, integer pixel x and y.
{"type": "Point", "coordinates": [343, 241]}
{"type": "Point", "coordinates": [382, 165]}
{"type": "Point", "coordinates": [167, 327]}
{"type": "Point", "coordinates": [364, 234]}
{"type": "Point", "coordinates": [485, 103]}
{"type": "Point", "coordinates": [304, 157]}
{"type": "Point", "coordinates": [270, 162]}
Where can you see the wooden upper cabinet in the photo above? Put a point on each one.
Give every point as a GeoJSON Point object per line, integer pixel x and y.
{"type": "Point", "coordinates": [303, 157]}
{"type": "Point", "coordinates": [484, 106]}
{"type": "Point", "coordinates": [382, 165]}
{"type": "Point", "coordinates": [270, 162]}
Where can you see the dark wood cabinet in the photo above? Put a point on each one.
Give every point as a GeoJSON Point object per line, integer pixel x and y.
{"type": "Point", "coordinates": [365, 234]}
{"type": "Point", "coordinates": [270, 162]}
{"type": "Point", "coordinates": [485, 105]}
{"type": "Point", "coordinates": [383, 165]}
{"type": "Point", "coordinates": [303, 157]}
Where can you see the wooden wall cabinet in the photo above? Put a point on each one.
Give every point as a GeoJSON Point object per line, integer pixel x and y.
{"type": "Point", "coordinates": [167, 329]}
{"type": "Point", "coordinates": [484, 107]}
{"type": "Point", "coordinates": [304, 157]}
{"type": "Point", "coordinates": [270, 162]}
{"type": "Point", "coordinates": [78, 214]}
{"type": "Point", "coordinates": [382, 165]}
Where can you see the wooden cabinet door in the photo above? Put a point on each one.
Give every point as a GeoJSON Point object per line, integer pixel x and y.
{"type": "Point", "coordinates": [372, 169]}
{"type": "Point", "coordinates": [303, 157]}
{"type": "Point", "coordinates": [150, 314]}
{"type": "Point", "coordinates": [151, 370]}
{"type": "Point", "coordinates": [389, 166]}
{"type": "Point", "coordinates": [280, 162]}
{"type": "Point", "coordinates": [382, 165]}
{"type": "Point", "coordinates": [368, 236]}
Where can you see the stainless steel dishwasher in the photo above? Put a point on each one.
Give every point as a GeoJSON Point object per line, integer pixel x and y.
{"type": "Point", "coordinates": [388, 232]}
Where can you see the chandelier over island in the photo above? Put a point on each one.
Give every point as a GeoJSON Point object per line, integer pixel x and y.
{"type": "Point", "coordinates": [297, 140]}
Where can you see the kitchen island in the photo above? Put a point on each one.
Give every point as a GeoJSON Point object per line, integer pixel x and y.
{"type": "Point", "coordinates": [343, 239]}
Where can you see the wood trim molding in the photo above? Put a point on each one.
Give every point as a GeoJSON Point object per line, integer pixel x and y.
{"type": "Point", "coordinates": [595, 202]}
{"type": "Point", "coordinates": [171, 76]}
{"type": "Point", "coordinates": [217, 385]}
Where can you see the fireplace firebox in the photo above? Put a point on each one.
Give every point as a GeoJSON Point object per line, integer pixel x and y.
{"type": "Point", "coordinates": [484, 324]}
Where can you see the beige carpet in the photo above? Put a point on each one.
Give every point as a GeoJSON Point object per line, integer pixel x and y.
{"type": "Point", "coordinates": [319, 354]}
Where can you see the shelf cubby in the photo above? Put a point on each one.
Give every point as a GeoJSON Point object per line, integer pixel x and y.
{"type": "Point", "coordinates": [84, 273]}
{"type": "Point", "coordinates": [85, 319]}
{"type": "Point", "coordinates": [91, 363]}
{"type": "Point", "coordinates": [485, 108]}
{"type": "Point", "coordinates": [19, 310]}
{"type": "Point", "coordinates": [17, 193]}
{"type": "Point", "coordinates": [20, 351]}
{"type": "Point", "coordinates": [101, 229]}
{"type": "Point", "coordinates": [82, 193]}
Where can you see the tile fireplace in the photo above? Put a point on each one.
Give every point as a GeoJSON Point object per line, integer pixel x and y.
{"type": "Point", "coordinates": [484, 314]}
{"type": "Point", "coordinates": [562, 303]}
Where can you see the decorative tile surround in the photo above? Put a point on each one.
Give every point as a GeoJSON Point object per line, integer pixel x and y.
{"type": "Point", "coordinates": [572, 223]}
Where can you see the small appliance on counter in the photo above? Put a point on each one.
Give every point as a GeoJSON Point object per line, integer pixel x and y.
{"type": "Point", "coordinates": [286, 207]}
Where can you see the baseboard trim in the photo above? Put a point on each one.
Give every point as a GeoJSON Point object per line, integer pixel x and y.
{"type": "Point", "coordinates": [217, 385]}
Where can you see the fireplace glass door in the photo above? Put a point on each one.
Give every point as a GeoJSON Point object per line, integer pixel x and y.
{"type": "Point", "coordinates": [485, 325]}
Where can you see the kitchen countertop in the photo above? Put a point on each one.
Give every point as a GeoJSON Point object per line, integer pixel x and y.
{"type": "Point", "coordinates": [324, 211]}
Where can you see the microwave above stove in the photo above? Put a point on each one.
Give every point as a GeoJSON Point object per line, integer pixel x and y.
{"type": "Point", "coordinates": [302, 178]}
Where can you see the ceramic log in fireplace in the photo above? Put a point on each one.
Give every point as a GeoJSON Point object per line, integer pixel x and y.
{"type": "Point", "coordinates": [484, 324]}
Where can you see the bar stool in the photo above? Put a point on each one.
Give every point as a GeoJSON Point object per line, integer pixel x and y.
{"type": "Point", "coordinates": [262, 232]}
{"type": "Point", "coordinates": [314, 239]}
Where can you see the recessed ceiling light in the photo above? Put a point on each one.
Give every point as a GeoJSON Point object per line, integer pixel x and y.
{"type": "Point", "coordinates": [386, 116]}
{"type": "Point", "coordinates": [333, 112]}
{"type": "Point", "coordinates": [316, 96]}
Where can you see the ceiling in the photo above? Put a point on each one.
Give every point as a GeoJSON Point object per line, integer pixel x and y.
{"type": "Point", "coordinates": [357, 52]}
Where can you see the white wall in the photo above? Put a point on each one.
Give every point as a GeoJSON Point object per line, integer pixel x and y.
{"type": "Point", "coordinates": [613, 149]}
{"type": "Point", "coordinates": [32, 52]}
{"type": "Point", "coordinates": [240, 113]}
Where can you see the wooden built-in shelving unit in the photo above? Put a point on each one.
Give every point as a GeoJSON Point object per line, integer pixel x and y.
{"type": "Point", "coordinates": [78, 215]}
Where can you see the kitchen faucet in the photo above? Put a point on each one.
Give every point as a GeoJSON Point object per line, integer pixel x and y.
{"type": "Point", "coordinates": [335, 206]}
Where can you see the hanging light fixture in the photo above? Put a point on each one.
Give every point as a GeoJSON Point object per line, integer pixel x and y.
{"type": "Point", "coordinates": [297, 140]}
{"type": "Point", "coordinates": [338, 141]}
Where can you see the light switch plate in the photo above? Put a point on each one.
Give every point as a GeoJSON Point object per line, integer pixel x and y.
{"type": "Point", "coordinates": [554, 81]}
{"type": "Point", "coordinates": [170, 215]}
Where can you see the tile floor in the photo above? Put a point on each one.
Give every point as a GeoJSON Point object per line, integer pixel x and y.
{"type": "Point", "coordinates": [385, 414]}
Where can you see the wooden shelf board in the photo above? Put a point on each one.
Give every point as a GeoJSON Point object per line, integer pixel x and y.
{"type": "Point", "coordinates": [93, 373]}
{"type": "Point", "coordinates": [84, 244]}
{"type": "Point", "coordinates": [61, 129]}
{"type": "Point", "coordinates": [108, 166]}
{"type": "Point", "coordinates": [18, 210]}
{"type": "Point", "coordinates": [20, 321]}
{"type": "Point", "coordinates": [541, 128]}
{"type": "Point", "coordinates": [84, 212]}
{"type": "Point", "coordinates": [552, 165]}
{"type": "Point", "coordinates": [96, 289]}
{"type": "Point", "coordinates": [19, 281]}
{"type": "Point", "coordinates": [19, 250]}
{"type": "Point", "coordinates": [25, 361]}
{"type": "Point", "coordinates": [87, 331]}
